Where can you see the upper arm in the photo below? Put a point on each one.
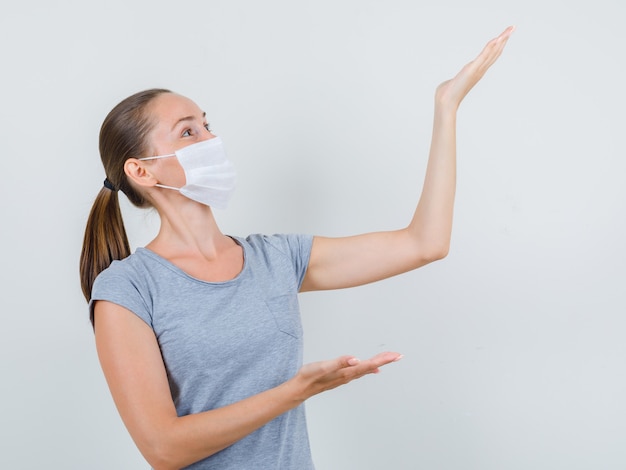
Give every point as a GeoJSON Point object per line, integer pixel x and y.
{"type": "Point", "coordinates": [132, 364]}
{"type": "Point", "coordinates": [336, 263]}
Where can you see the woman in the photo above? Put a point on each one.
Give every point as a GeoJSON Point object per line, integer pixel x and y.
{"type": "Point", "coordinates": [198, 333]}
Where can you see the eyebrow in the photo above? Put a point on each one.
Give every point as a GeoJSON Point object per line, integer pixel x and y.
{"type": "Point", "coordinates": [186, 118]}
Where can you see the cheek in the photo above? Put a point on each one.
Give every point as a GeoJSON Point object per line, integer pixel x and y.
{"type": "Point", "coordinates": [172, 174]}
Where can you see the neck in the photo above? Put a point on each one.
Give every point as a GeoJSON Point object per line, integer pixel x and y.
{"type": "Point", "coordinates": [186, 229]}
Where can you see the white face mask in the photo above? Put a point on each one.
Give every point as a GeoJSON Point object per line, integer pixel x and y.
{"type": "Point", "coordinates": [209, 175]}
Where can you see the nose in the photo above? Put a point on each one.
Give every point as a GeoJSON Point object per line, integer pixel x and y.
{"type": "Point", "coordinates": [208, 135]}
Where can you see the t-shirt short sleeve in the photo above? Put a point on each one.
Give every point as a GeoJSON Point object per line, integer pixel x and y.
{"type": "Point", "coordinates": [227, 340]}
{"type": "Point", "coordinates": [296, 249]}
{"type": "Point", "coordinates": [117, 285]}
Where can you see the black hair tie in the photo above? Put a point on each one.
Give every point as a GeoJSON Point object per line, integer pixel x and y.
{"type": "Point", "coordinates": [109, 185]}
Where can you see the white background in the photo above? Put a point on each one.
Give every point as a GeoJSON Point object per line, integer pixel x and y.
{"type": "Point", "coordinates": [514, 345]}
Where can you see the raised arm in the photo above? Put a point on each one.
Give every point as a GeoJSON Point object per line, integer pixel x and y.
{"type": "Point", "coordinates": [133, 367]}
{"type": "Point", "coordinates": [351, 261]}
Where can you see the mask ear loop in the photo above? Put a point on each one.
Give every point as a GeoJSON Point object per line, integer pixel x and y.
{"type": "Point", "coordinates": [157, 156]}
{"type": "Point", "coordinates": [161, 156]}
{"type": "Point", "coordinates": [166, 187]}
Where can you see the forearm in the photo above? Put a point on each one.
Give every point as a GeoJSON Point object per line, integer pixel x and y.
{"type": "Point", "coordinates": [431, 225]}
{"type": "Point", "coordinates": [189, 439]}
{"type": "Point", "coordinates": [184, 440]}
{"type": "Point", "coordinates": [351, 261]}
{"type": "Point", "coordinates": [132, 363]}
{"type": "Point", "coordinates": [432, 222]}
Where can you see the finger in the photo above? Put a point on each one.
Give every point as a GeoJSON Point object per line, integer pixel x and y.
{"type": "Point", "coordinates": [372, 365]}
{"type": "Point", "coordinates": [504, 35]}
{"type": "Point", "coordinates": [386, 357]}
{"type": "Point", "coordinates": [499, 41]}
{"type": "Point", "coordinates": [344, 361]}
{"type": "Point", "coordinates": [494, 48]}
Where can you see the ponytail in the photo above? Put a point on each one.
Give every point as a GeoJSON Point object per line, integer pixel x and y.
{"type": "Point", "coordinates": [105, 239]}
{"type": "Point", "coordinates": [123, 135]}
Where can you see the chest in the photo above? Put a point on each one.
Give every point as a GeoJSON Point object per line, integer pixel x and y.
{"type": "Point", "coordinates": [229, 340]}
{"type": "Point", "coordinates": [220, 267]}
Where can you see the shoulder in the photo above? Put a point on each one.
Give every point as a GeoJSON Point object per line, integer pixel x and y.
{"type": "Point", "coordinates": [286, 244]}
{"type": "Point", "coordinates": [127, 269]}
{"type": "Point", "coordinates": [285, 255]}
{"type": "Point", "coordinates": [125, 283]}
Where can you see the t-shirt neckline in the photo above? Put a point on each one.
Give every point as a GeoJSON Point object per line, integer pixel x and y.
{"type": "Point", "coordinates": [171, 266]}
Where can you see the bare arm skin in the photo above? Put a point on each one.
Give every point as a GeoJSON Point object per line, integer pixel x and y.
{"type": "Point", "coordinates": [131, 358]}
{"type": "Point", "coordinates": [351, 261]}
{"type": "Point", "coordinates": [134, 370]}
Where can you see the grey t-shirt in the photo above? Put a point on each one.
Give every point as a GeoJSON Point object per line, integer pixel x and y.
{"type": "Point", "coordinates": [224, 341]}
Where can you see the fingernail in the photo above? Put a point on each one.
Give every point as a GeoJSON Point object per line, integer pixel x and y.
{"type": "Point", "coordinates": [398, 358]}
{"type": "Point", "coordinates": [353, 362]}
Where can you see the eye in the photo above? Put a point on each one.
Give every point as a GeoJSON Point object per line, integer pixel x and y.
{"type": "Point", "coordinates": [207, 126]}
{"type": "Point", "coordinates": [186, 133]}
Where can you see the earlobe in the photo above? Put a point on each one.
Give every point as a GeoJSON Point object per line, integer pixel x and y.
{"type": "Point", "coordinates": [138, 173]}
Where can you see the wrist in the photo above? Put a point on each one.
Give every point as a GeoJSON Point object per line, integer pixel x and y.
{"type": "Point", "coordinates": [445, 105]}
{"type": "Point", "coordinates": [294, 391]}
{"type": "Point", "coordinates": [445, 113]}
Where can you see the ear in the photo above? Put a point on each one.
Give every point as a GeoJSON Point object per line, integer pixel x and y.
{"type": "Point", "coordinates": [138, 172]}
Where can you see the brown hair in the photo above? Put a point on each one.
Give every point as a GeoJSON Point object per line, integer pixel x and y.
{"type": "Point", "coordinates": [123, 135]}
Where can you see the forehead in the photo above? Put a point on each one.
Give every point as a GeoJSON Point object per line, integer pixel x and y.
{"type": "Point", "coordinates": [168, 108]}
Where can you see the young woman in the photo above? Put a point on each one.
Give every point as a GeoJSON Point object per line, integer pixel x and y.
{"type": "Point", "coordinates": [198, 333]}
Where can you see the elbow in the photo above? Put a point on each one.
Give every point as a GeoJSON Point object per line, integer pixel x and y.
{"type": "Point", "coordinates": [440, 252]}
{"type": "Point", "coordinates": [435, 252]}
{"type": "Point", "coordinates": [428, 246]}
{"type": "Point", "coordinates": [159, 457]}
{"type": "Point", "coordinates": [169, 451]}
{"type": "Point", "coordinates": [160, 453]}
{"type": "Point", "coordinates": [436, 255]}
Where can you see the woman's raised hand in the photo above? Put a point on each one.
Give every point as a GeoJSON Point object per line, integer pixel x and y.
{"type": "Point", "coordinates": [321, 376]}
{"type": "Point", "coordinates": [452, 92]}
